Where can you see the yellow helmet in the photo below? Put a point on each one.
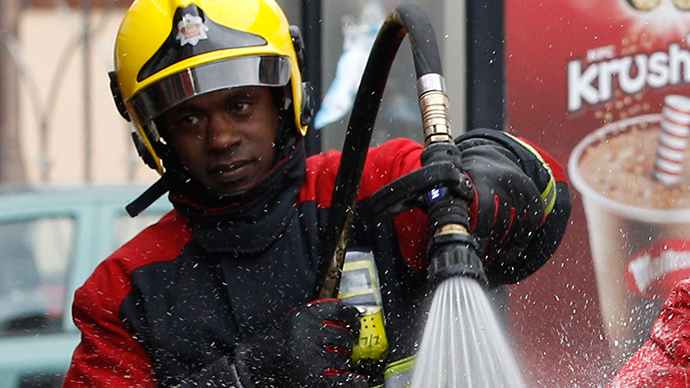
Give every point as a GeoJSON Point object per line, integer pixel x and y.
{"type": "Point", "coordinates": [168, 51]}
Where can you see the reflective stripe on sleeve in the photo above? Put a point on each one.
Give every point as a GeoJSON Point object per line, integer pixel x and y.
{"type": "Point", "coordinates": [548, 195]}
{"type": "Point", "coordinates": [398, 374]}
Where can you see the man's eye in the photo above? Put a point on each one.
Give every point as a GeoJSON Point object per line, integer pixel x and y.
{"type": "Point", "coordinates": [240, 106]}
{"type": "Point", "coordinates": [185, 123]}
{"type": "Point", "coordinates": [189, 121]}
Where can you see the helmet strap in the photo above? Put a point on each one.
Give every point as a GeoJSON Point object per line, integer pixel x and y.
{"type": "Point", "coordinates": [288, 134]}
{"type": "Point", "coordinates": [286, 139]}
{"type": "Point", "coordinates": [148, 197]}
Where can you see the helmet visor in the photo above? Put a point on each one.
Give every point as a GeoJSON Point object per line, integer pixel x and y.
{"type": "Point", "coordinates": [255, 70]}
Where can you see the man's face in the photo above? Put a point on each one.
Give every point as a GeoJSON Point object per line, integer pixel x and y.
{"type": "Point", "coordinates": [225, 138]}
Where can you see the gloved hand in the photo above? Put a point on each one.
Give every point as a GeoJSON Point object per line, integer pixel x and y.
{"type": "Point", "coordinates": [519, 211]}
{"type": "Point", "coordinates": [507, 207]}
{"type": "Point", "coordinates": [311, 348]}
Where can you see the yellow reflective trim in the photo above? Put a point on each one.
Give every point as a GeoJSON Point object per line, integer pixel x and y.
{"type": "Point", "coordinates": [359, 264]}
{"type": "Point", "coordinates": [373, 276]}
{"type": "Point", "coordinates": [549, 193]}
{"type": "Point", "coordinates": [344, 295]}
{"type": "Point", "coordinates": [400, 366]}
{"type": "Point", "coordinates": [532, 150]}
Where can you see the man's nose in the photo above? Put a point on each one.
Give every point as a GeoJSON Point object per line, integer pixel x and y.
{"type": "Point", "coordinates": [222, 133]}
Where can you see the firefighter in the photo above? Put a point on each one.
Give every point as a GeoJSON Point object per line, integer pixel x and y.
{"type": "Point", "coordinates": [221, 291]}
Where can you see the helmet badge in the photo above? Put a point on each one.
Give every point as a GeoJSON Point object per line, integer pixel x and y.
{"type": "Point", "coordinates": [191, 29]}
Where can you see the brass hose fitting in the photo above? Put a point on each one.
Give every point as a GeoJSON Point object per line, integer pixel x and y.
{"type": "Point", "coordinates": [433, 105]}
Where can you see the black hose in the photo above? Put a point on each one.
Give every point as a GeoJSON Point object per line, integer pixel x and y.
{"type": "Point", "coordinates": [422, 38]}
{"type": "Point", "coordinates": [406, 19]}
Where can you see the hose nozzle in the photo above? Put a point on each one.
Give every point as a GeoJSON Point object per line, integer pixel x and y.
{"type": "Point", "coordinates": [452, 254]}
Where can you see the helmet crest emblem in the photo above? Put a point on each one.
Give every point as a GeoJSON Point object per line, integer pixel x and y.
{"type": "Point", "coordinates": [191, 29]}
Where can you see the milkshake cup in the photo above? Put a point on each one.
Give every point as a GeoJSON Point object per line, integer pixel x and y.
{"type": "Point", "coordinates": [639, 228]}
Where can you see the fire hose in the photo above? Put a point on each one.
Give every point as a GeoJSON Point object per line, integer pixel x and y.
{"type": "Point", "coordinates": [439, 186]}
{"type": "Point", "coordinates": [438, 175]}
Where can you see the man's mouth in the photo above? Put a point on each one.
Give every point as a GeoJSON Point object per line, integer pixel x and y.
{"type": "Point", "coordinates": [230, 172]}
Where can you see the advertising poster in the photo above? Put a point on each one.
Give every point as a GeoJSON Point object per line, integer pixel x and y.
{"type": "Point", "coordinates": [602, 85]}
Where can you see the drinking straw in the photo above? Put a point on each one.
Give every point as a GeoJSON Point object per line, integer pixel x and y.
{"type": "Point", "coordinates": [673, 139]}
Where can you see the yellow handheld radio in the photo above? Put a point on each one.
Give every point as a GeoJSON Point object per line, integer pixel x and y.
{"type": "Point", "coordinates": [359, 287]}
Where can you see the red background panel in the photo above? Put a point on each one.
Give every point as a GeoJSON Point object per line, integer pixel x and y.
{"type": "Point", "coordinates": [555, 319]}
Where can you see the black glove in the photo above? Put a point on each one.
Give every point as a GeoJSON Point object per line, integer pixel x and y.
{"type": "Point", "coordinates": [507, 207]}
{"type": "Point", "coordinates": [311, 348]}
{"type": "Point", "coordinates": [513, 189]}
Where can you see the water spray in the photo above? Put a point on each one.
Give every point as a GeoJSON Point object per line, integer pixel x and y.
{"type": "Point", "coordinates": [462, 344]}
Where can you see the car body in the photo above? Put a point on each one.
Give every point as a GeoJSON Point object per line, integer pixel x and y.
{"type": "Point", "coordinates": [51, 239]}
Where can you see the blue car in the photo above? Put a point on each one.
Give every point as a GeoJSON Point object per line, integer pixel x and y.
{"type": "Point", "coordinates": [51, 239]}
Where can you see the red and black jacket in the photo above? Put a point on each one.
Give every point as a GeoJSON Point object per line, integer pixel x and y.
{"type": "Point", "coordinates": [173, 303]}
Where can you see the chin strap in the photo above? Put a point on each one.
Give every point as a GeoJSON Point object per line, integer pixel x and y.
{"type": "Point", "coordinates": [148, 197]}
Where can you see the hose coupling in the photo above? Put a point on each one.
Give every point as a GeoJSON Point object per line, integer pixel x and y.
{"type": "Point", "coordinates": [433, 105]}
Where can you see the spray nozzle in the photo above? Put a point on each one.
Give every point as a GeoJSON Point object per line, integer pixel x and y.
{"type": "Point", "coordinates": [453, 253]}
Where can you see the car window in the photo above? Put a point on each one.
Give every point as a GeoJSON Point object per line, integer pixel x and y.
{"type": "Point", "coordinates": [34, 256]}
